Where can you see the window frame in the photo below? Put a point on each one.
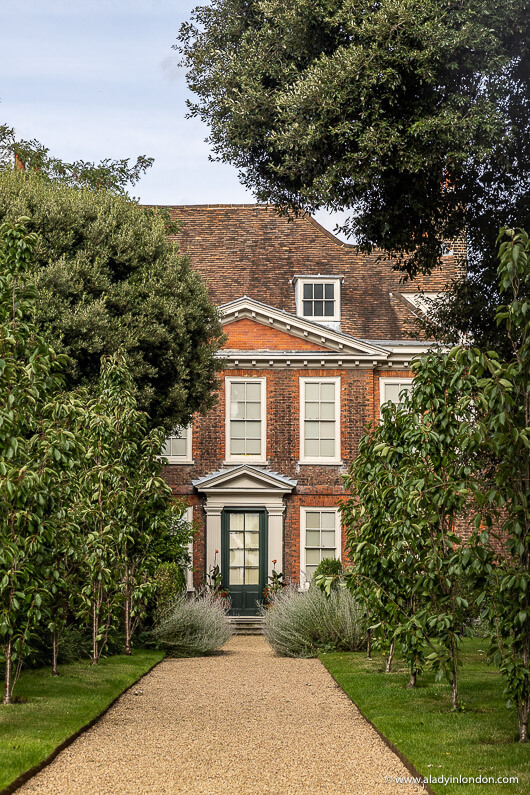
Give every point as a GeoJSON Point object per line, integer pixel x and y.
{"type": "Point", "coordinates": [187, 458]}
{"type": "Point", "coordinates": [304, 510]}
{"type": "Point", "coordinates": [336, 381]}
{"type": "Point", "coordinates": [300, 283]}
{"type": "Point", "coordinates": [251, 459]}
{"type": "Point", "coordinates": [384, 380]}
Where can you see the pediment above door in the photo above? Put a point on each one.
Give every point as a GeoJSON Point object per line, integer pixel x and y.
{"type": "Point", "coordinates": [246, 479]}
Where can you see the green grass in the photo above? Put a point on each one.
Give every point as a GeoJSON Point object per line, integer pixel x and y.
{"type": "Point", "coordinates": [50, 709]}
{"type": "Point", "coordinates": [480, 740]}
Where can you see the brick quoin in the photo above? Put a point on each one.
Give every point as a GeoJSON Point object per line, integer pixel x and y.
{"type": "Point", "coordinates": [249, 250]}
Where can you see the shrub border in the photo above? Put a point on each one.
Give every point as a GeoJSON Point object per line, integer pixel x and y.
{"type": "Point", "coordinates": [29, 774]}
{"type": "Point", "coordinates": [410, 767]}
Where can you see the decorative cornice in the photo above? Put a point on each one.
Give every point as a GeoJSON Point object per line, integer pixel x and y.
{"type": "Point", "coordinates": [316, 333]}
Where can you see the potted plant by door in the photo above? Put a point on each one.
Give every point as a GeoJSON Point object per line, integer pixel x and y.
{"type": "Point", "coordinates": [274, 586]}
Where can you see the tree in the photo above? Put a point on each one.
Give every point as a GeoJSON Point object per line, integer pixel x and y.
{"type": "Point", "coordinates": [123, 513]}
{"type": "Point", "coordinates": [107, 278]}
{"type": "Point", "coordinates": [411, 488]}
{"type": "Point", "coordinates": [111, 175]}
{"type": "Point", "coordinates": [502, 433]}
{"type": "Point", "coordinates": [381, 551]}
{"type": "Point", "coordinates": [64, 581]}
{"type": "Point", "coordinates": [147, 516]}
{"type": "Point", "coordinates": [412, 114]}
{"type": "Point", "coordinates": [33, 452]}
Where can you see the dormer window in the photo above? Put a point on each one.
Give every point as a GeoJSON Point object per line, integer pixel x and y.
{"type": "Point", "coordinates": [318, 298]}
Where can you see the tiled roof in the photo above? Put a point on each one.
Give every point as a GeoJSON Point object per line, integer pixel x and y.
{"type": "Point", "coordinates": [251, 250]}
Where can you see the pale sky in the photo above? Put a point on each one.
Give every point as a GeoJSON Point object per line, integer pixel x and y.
{"type": "Point", "coordinates": [98, 78]}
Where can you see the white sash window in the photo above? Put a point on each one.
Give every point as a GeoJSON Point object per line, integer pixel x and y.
{"type": "Point", "coordinates": [245, 419]}
{"type": "Point", "coordinates": [320, 420]}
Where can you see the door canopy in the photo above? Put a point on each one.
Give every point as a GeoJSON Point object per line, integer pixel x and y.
{"type": "Point", "coordinates": [245, 480]}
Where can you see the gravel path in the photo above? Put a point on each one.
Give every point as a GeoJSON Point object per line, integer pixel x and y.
{"type": "Point", "coordinates": [243, 721]}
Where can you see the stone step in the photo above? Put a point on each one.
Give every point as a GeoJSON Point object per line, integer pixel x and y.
{"type": "Point", "coordinates": [247, 625]}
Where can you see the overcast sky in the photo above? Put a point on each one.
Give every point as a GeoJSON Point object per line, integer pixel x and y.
{"type": "Point", "coordinates": [98, 78]}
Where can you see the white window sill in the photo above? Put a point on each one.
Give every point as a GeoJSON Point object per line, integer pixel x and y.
{"type": "Point", "coordinates": [175, 460]}
{"type": "Point", "coordinates": [320, 462]}
{"type": "Point", "coordinates": [329, 322]}
{"type": "Point", "coordinates": [245, 460]}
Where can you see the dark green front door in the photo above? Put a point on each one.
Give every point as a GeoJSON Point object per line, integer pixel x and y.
{"type": "Point", "coordinates": [244, 559]}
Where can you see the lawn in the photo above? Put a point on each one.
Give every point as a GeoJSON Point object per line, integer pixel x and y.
{"type": "Point", "coordinates": [479, 740]}
{"type": "Point", "coordinates": [50, 709]}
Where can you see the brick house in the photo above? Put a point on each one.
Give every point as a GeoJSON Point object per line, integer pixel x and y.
{"type": "Point", "coordinates": [318, 336]}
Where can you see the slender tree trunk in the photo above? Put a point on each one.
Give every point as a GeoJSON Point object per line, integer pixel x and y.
{"type": "Point", "coordinates": [522, 719]}
{"type": "Point", "coordinates": [454, 679]}
{"type": "Point", "coordinates": [8, 695]}
{"type": "Point", "coordinates": [413, 675]}
{"type": "Point", "coordinates": [55, 652]}
{"type": "Point", "coordinates": [127, 622]}
{"type": "Point", "coordinates": [94, 634]}
{"type": "Point", "coordinates": [390, 657]}
{"type": "Point", "coordinates": [454, 690]}
{"type": "Point", "coordinates": [523, 708]}
{"type": "Point", "coordinates": [369, 645]}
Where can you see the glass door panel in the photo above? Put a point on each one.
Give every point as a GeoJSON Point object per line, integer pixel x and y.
{"type": "Point", "coordinates": [243, 543]}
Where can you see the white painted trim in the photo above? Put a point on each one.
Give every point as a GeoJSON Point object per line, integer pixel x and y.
{"type": "Point", "coordinates": [304, 582]}
{"type": "Point", "coordinates": [189, 572]}
{"type": "Point", "coordinates": [213, 535]}
{"type": "Point", "coordinates": [225, 480]}
{"type": "Point", "coordinates": [250, 459]}
{"type": "Point", "coordinates": [273, 504]}
{"type": "Point", "coordinates": [188, 457]}
{"type": "Point", "coordinates": [300, 327]}
{"type": "Point", "coordinates": [299, 290]}
{"type": "Point", "coordinates": [383, 381]}
{"type": "Point", "coordinates": [336, 459]}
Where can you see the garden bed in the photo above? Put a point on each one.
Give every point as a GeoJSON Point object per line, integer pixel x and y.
{"type": "Point", "coordinates": [49, 710]}
{"type": "Point", "coordinates": [479, 740]}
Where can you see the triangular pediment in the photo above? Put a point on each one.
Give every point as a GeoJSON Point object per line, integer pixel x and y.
{"type": "Point", "coordinates": [249, 334]}
{"type": "Point", "coordinates": [245, 478]}
{"type": "Point", "coordinates": [282, 328]}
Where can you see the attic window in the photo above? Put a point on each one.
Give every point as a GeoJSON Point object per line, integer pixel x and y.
{"type": "Point", "coordinates": [318, 298]}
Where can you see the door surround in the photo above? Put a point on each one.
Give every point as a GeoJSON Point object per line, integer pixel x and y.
{"type": "Point", "coordinates": [241, 523]}
{"type": "Point", "coordinates": [245, 487]}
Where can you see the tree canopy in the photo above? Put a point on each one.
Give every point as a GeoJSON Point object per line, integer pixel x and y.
{"type": "Point", "coordinates": [108, 174]}
{"type": "Point", "coordinates": [108, 277]}
{"type": "Point", "coordinates": [413, 114]}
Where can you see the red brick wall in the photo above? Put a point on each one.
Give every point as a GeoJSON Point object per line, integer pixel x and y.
{"type": "Point", "coordinates": [317, 484]}
{"type": "Point", "coordinates": [246, 334]}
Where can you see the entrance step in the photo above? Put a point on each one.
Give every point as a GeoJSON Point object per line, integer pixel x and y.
{"type": "Point", "coordinates": [247, 625]}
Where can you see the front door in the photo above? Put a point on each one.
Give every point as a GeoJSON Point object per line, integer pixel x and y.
{"type": "Point", "coordinates": [244, 559]}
